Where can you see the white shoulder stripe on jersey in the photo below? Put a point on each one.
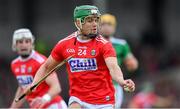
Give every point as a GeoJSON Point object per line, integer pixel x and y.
{"type": "Point", "coordinates": [101, 39]}
{"type": "Point", "coordinates": [38, 58]}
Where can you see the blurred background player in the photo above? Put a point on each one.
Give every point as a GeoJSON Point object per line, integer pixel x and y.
{"type": "Point", "coordinates": [93, 65]}
{"type": "Point", "coordinates": [24, 69]}
{"type": "Point", "coordinates": [123, 52]}
{"type": "Point", "coordinates": [148, 97]}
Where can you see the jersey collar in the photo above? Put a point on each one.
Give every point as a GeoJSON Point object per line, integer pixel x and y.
{"type": "Point", "coordinates": [80, 40]}
{"type": "Point", "coordinates": [26, 59]}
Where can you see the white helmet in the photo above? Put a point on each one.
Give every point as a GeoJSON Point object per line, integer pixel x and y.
{"type": "Point", "coordinates": [20, 34]}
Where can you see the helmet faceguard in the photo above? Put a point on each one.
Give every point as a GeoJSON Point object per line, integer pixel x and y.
{"type": "Point", "coordinates": [20, 34]}
{"type": "Point", "coordinates": [82, 12]}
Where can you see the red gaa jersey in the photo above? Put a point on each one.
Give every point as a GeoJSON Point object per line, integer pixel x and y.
{"type": "Point", "coordinates": [25, 70]}
{"type": "Point", "coordinates": [89, 76]}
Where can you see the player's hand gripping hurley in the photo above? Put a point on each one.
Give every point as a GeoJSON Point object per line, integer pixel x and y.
{"type": "Point", "coordinates": [39, 82]}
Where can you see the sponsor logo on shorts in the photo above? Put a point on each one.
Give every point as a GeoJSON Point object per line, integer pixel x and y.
{"type": "Point", "coordinates": [82, 64]}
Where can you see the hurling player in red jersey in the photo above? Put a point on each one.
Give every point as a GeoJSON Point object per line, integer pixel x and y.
{"type": "Point", "coordinates": [24, 69]}
{"type": "Point", "coordinates": [93, 66]}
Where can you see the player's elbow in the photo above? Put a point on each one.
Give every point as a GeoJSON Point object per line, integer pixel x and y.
{"type": "Point", "coordinates": [58, 89]}
{"type": "Point", "coordinates": [132, 65]}
{"type": "Point", "coordinates": [135, 65]}
{"type": "Point", "coordinates": [55, 90]}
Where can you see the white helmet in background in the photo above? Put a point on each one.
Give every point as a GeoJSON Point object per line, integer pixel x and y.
{"type": "Point", "coordinates": [20, 34]}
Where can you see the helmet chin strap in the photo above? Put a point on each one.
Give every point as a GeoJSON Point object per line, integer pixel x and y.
{"type": "Point", "coordinates": [24, 56]}
{"type": "Point", "coordinates": [90, 35]}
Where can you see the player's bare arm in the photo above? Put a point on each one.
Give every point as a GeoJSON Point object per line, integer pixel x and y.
{"type": "Point", "coordinates": [52, 92]}
{"type": "Point", "coordinates": [117, 74]}
{"type": "Point", "coordinates": [54, 89]}
{"type": "Point", "coordinates": [131, 62]}
{"type": "Point", "coordinates": [48, 65]}
{"type": "Point", "coordinates": [115, 71]}
{"type": "Point", "coordinates": [50, 80]}
{"type": "Point", "coordinates": [17, 104]}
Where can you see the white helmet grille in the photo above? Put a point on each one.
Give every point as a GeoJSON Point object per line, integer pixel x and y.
{"type": "Point", "coordinates": [20, 34]}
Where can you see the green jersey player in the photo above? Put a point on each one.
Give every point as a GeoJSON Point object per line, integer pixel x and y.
{"type": "Point", "coordinates": [123, 52]}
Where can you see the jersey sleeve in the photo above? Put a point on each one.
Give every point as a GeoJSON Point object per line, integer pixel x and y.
{"type": "Point", "coordinates": [56, 53]}
{"type": "Point", "coordinates": [126, 50]}
{"type": "Point", "coordinates": [108, 50]}
{"type": "Point", "coordinates": [12, 69]}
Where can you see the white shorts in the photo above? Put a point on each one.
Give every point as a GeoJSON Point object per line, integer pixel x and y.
{"type": "Point", "coordinates": [118, 96]}
{"type": "Point", "coordinates": [59, 105]}
{"type": "Point", "coordinates": [89, 106]}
